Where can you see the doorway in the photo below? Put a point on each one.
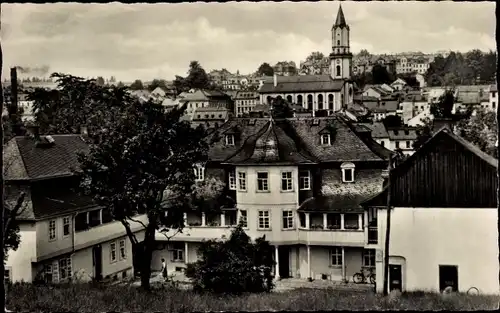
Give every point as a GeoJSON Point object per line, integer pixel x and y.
{"type": "Point", "coordinates": [284, 260]}
{"type": "Point", "coordinates": [448, 277]}
{"type": "Point", "coordinates": [395, 276]}
{"type": "Point", "coordinates": [97, 262]}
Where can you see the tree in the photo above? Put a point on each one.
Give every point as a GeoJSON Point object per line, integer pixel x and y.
{"type": "Point", "coordinates": [197, 77]}
{"type": "Point", "coordinates": [157, 83]}
{"type": "Point", "coordinates": [315, 57]}
{"type": "Point", "coordinates": [280, 108]}
{"type": "Point", "coordinates": [137, 85]}
{"type": "Point", "coordinates": [444, 107]}
{"type": "Point", "coordinates": [233, 266]}
{"type": "Point", "coordinates": [120, 85]}
{"type": "Point", "coordinates": [112, 80]}
{"type": "Point", "coordinates": [143, 164]}
{"type": "Point", "coordinates": [76, 103]}
{"type": "Point", "coordinates": [265, 70]}
{"type": "Point", "coordinates": [180, 84]}
{"type": "Point", "coordinates": [380, 74]}
{"type": "Point", "coordinates": [392, 121]}
{"type": "Point", "coordinates": [363, 53]}
{"type": "Point", "coordinates": [100, 81]}
{"type": "Point", "coordinates": [481, 129]}
{"type": "Point", "coordinates": [410, 79]}
{"type": "Point", "coordinates": [424, 133]}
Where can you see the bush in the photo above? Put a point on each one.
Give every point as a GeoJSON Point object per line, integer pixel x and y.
{"type": "Point", "coordinates": [233, 266]}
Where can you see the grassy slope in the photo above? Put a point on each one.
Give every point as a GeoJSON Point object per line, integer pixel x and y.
{"type": "Point", "coordinates": [76, 298]}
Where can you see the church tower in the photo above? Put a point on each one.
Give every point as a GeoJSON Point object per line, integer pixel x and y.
{"type": "Point", "coordinates": [341, 56]}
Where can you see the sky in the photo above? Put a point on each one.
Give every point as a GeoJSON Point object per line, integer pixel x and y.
{"type": "Point", "coordinates": [149, 41]}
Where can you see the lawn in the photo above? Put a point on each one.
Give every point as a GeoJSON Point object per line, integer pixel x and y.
{"type": "Point", "coordinates": [87, 298]}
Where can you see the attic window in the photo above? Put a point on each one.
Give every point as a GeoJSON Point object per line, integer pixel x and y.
{"type": "Point", "coordinates": [220, 115]}
{"type": "Point", "coordinates": [230, 140]}
{"type": "Point", "coordinates": [252, 122]}
{"type": "Point", "coordinates": [347, 172]}
{"type": "Point", "coordinates": [315, 122]}
{"type": "Point", "coordinates": [325, 139]}
{"type": "Point", "coordinates": [396, 132]}
{"type": "Point", "coordinates": [407, 132]}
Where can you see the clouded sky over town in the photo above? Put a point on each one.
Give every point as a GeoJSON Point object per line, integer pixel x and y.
{"type": "Point", "coordinates": [158, 40]}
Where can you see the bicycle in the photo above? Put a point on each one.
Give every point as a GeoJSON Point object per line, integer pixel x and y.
{"type": "Point", "coordinates": [360, 277]}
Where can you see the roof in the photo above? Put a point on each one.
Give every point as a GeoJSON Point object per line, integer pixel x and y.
{"type": "Point", "coordinates": [210, 113]}
{"type": "Point", "coordinates": [399, 81]}
{"type": "Point", "coordinates": [377, 128]}
{"type": "Point", "coordinates": [493, 88]}
{"type": "Point", "coordinates": [382, 105]}
{"type": "Point", "coordinates": [349, 202]}
{"type": "Point", "coordinates": [402, 133]}
{"type": "Point", "coordinates": [346, 144]}
{"type": "Point", "coordinates": [32, 162]}
{"type": "Point", "coordinates": [302, 83]}
{"type": "Point", "coordinates": [202, 95]}
{"type": "Point", "coordinates": [340, 21]}
{"type": "Point", "coordinates": [466, 97]}
{"type": "Point", "coordinates": [246, 95]}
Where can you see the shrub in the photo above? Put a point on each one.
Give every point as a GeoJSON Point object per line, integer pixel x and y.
{"type": "Point", "coordinates": [233, 266]}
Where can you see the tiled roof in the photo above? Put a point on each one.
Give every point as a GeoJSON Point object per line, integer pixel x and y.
{"type": "Point", "coordinates": [346, 144]}
{"type": "Point", "coordinates": [246, 95]}
{"type": "Point", "coordinates": [402, 134]}
{"type": "Point", "coordinates": [32, 162]}
{"type": "Point", "coordinates": [343, 203]}
{"type": "Point", "coordinates": [469, 97]}
{"type": "Point", "coordinates": [378, 129]}
{"type": "Point", "coordinates": [382, 106]}
{"type": "Point", "coordinates": [302, 83]}
{"type": "Point", "coordinates": [270, 144]}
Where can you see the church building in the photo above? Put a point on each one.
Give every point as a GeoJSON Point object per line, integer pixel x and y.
{"type": "Point", "coordinates": [319, 92]}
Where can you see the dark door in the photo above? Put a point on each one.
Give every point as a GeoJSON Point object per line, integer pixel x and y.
{"type": "Point", "coordinates": [284, 260]}
{"type": "Point", "coordinates": [448, 277]}
{"type": "Point", "coordinates": [395, 277]}
{"type": "Point", "coordinates": [97, 260]}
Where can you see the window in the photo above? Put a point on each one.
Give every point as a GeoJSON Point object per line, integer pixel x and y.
{"type": "Point", "coordinates": [336, 256]}
{"type": "Point", "coordinates": [264, 220]}
{"type": "Point", "coordinates": [286, 181]}
{"type": "Point", "coordinates": [338, 70]}
{"type": "Point", "coordinates": [493, 104]}
{"type": "Point", "coordinates": [325, 139]}
{"type": "Point", "coordinates": [178, 252]}
{"type": "Point", "coordinates": [230, 140]}
{"type": "Point", "coordinates": [66, 226]}
{"type": "Point", "coordinates": [304, 180]}
{"type": "Point", "coordinates": [52, 230]}
{"type": "Point", "coordinates": [106, 216]}
{"type": "Point", "coordinates": [199, 173]}
{"type": "Point", "coordinates": [330, 102]}
{"type": "Point", "coordinates": [242, 181]}
{"type": "Point", "coordinates": [347, 172]}
{"type": "Point", "coordinates": [49, 277]}
{"type": "Point", "coordinates": [123, 250]}
{"type": "Point", "coordinates": [112, 250]}
{"type": "Point", "coordinates": [243, 218]}
{"type": "Point", "coordinates": [333, 220]}
{"type": "Point", "coordinates": [397, 144]}
{"type": "Point", "coordinates": [95, 218]}
{"type": "Point", "coordinates": [338, 42]}
{"type": "Point", "coordinates": [81, 221]}
{"type": "Point", "coordinates": [262, 181]}
{"type": "Point", "coordinates": [351, 221]}
{"type": "Point", "coordinates": [65, 268]}
{"type": "Point", "coordinates": [232, 180]}
{"type": "Point", "coordinates": [382, 143]}
{"type": "Point", "coordinates": [7, 277]}
{"type": "Point", "coordinates": [287, 219]}
{"type": "Point", "coordinates": [369, 258]}
{"type": "Point", "coordinates": [408, 144]}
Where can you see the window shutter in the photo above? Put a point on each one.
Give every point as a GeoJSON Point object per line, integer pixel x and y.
{"type": "Point", "coordinates": [55, 271]}
{"type": "Point", "coordinates": [69, 267]}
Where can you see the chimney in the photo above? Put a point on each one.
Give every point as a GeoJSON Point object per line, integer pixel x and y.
{"type": "Point", "coordinates": [275, 78]}
{"type": "Point", "coordinates": [14, 105]}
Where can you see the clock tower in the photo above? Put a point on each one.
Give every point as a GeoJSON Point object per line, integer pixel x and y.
{"type": "Point", "coordinates": [341, 56]}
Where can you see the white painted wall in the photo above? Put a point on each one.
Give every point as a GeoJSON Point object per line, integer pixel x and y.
{"type": "Point", "coordinates": [19, 261]}
{"type": "Point", "coordinates": [424, 238]}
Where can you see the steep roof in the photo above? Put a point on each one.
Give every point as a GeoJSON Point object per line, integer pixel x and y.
{"type": "Point", "coordinates": [378, 129]}
{"type": "Point", "coordinates": [403, 133]}
{"type": "Point", "coordinates": [299, 135]}
{"type": "Point", "coordinates": [33, 162]}
{"type": "Point", "coordinates": [340, 21]}
{"type": "Point", "coordinates": [302, 83]}
{"type": "Point", "coordinates": [382, 105]}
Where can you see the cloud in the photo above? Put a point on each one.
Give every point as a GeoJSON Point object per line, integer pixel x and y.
{"type": "Point", "coordinates": [144, 40]}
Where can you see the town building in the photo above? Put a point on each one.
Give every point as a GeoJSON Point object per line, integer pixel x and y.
{"type": "Point", "coordinates": [285, 68]}
{"type": "Point", "coordinates": [204, 98]}
{"type": "Point", "coordinates": [245, 101]}
{"type": "Point", "coordinates": [210, 117]}
{"type": "Point", "coordinates": [63, 235]}
{"type": "Point", "coordinates": [493, 103]}
{"type": "Point", "coordinates": [299, 182]}
{"type": "Point", "coordinates": [377, 91]}
{"type": "Point", "coordinates": [442, 233]}
{"type": "Point", "coordinates": [319, 92]}
{"type": "Point", "coordinates": [393, 138]}
{"type": "Point", "coordinates": [399, 84]}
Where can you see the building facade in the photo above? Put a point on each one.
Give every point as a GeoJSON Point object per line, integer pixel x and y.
{"type": "Point", "coordinates": [443, 234]}
{"type": "Point", "coordinates": [297, 181]}
{"type": "Point", "coordinates": [244, 102]}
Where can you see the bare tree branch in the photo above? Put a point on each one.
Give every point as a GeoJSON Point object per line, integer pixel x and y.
{"type": "Point", "coordinates": [15, 212]}
{"type": "Point", "coordinates": [143, 225]}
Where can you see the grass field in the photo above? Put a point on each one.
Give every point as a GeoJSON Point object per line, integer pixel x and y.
{"type": "Point", "coordinates": [87, 298]}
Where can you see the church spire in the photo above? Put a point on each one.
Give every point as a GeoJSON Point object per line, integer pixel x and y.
{"type": "Point", "coordinates": [340, 21]}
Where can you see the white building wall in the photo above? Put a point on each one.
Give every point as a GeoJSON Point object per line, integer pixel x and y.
{"type": "Point", "coordinates": [19, 261]}
{"type": "Point", "coordinates": [424, 238]}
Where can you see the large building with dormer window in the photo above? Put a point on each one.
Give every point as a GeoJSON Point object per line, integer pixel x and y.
{"type": "Point", "coordinates": [299, 182]}
{"type": "Point", "coordinates": [330, 92]}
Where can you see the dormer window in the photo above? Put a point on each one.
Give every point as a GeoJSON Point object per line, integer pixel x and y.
{"type": "Point", "coordinates": [325, 139]}
{"type": "Point", "coordinates": [347, 172]}
{"type": "Point", "coordinates": [230, 140]}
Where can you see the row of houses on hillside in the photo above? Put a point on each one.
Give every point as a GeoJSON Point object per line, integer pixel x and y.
{"type": "Point", "coordinates": [315, 187]}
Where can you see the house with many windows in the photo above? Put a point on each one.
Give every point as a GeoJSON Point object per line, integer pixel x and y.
{"type": "Point", "coordinates": [444, 216]}
{"type": "Point", "coordinates": [299, 182]}
{"type": "Point", "coordinates": [64, 235]}
{"type": "Point", "coordinates": [331, 92]}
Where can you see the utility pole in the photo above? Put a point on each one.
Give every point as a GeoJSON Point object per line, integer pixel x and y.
{"type": "Point", "coordinates": [387, 230]}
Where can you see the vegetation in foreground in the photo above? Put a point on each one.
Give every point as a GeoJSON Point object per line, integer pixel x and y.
{"type": "Point", "coordinates": [119, 298]}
